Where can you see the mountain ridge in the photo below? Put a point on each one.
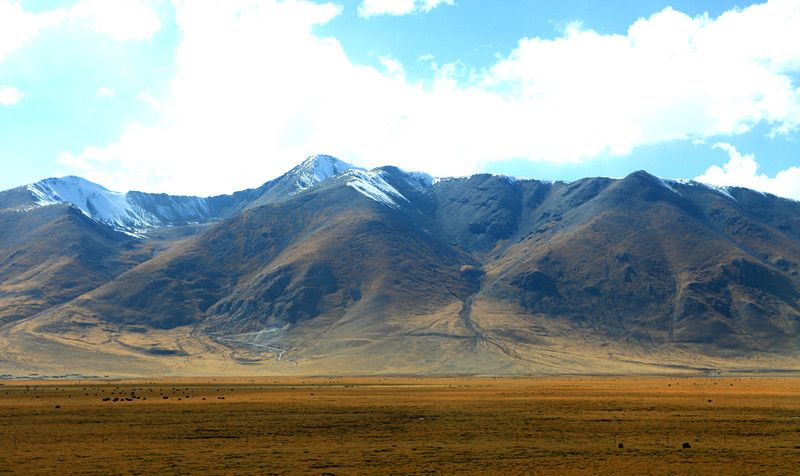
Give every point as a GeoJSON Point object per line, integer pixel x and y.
{"type": "Point", "coordinates": [138, 212]}
{"type": "Point", "coordinates": [330, 264]}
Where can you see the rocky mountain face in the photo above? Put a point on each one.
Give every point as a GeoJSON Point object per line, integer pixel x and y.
{"type": "Point", "coordinates": [332, 268]}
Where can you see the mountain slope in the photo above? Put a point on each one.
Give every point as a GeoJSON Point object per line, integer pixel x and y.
{"type": "Point", "coordinates": [49, 255]}
{"type": "Point", "coordinates": [652, 264]}
{"type": "Point", "coordinates": [272, 265]}
{"type": "Point", "coordinates": [332, 268]}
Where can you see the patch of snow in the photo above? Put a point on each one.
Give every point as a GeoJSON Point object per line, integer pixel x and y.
{"type": "Point", "coordinates": [372, 185]}
{"type": "Point", "coordinates": [419, 180]}
{"type": "Point", "coordinates": [181, 208]}
{"type": "Point", "coordinates": [721, 190]}
{"type": "Point", "coordinates": [42, 198]}
{"type": "Point", "coordinates": [319, 168]}
{"type": "Point", "coordinates": [670, 186]}
{"type": "Point", "coordinates": [509, 178]}
{"type": "Point", "coordinates": [446, 179]}
{"type": "Point", "coordinates": [716, 188]}
{"type": "Point", "coordinates": [94, 201]}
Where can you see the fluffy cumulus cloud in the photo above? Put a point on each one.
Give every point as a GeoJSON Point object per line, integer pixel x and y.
{"type": "Point", "coordinates": [371, 8]}
{"type": "Point", "coordinates": [119, 19]}
{"type": "Point", "coordinates": [671, 77]}
{"type": "Point", "coordinates": [10, 95]}
{"type": "Point", "coordinates": [257, 89]}
{"type": "Point", "coordinates": [741, 170]}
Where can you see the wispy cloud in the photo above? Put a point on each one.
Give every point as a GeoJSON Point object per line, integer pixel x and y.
{"type": "Point", "coordinates": [394, 68]}
{"type": "Point", "coordinates": [105, 92]}
{"type": "Point", "coordinates": [10, 96]}
{"type": "Point", "coordinates": [119, 19]}
{"type": "Point", "coordinates": [147, 98]}
{"type": "Point", "coordinates": [372, 8]}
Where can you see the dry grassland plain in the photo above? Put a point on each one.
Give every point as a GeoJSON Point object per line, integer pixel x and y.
{"type": "Point", "coordinates": [549, 425]}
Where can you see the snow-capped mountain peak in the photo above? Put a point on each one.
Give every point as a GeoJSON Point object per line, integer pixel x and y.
{"type": "Point", "coordinates": [137, 212]}
{"type": "Point", "coordinates": [318, 168]}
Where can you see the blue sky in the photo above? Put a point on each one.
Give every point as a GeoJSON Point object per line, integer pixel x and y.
{"type": "Point", "coordinates": [203, 97]}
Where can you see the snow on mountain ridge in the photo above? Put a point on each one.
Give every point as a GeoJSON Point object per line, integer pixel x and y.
{"type": "Point", "coordinates": [138, 212]}
{"type": "Point", "coordinates": [318, 168]}
{"type": "Point", "coordinates": [95, 201]}
{"type": "Point", "coordinates": [172, 208]}
{"type": "Point", "coordinates": [725, 191]}
{"type": "Point", "coordinates": [372, 185]}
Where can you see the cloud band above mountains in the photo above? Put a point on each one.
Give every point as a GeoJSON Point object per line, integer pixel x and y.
{"type": "Point", "coordinates": [257, 86]}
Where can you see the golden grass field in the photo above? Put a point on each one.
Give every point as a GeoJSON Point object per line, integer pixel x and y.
{"type": "Point", "coordinates": [548, 425]}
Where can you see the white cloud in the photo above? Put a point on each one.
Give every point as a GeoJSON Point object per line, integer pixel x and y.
{"type": "Point", "coordinates": [394, 68]}
{"type": "Point", "coordinates": [10, 95]}
{"type": "Point", "coordinates": [147, 98]}
{"type": "Point", "coordinates": [741, 170]}
{"type": "Point", "coordinates": [371, 8]}
{"type": "Point", "coordinates": [671, 77]}
{"type": "Point", "coordinates": [18, 26]}
{"type": "Point", "coordinates": [256, 90]}
{"type": "Point", "coordinates": [105, 92]}
{"type": "Point", "coordinates": [119, 19]}
{"type": "Point", "coordinates": [122, 20]}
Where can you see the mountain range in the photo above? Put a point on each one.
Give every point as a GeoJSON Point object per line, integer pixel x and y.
{"type": "Point", "coordinates": [333, 269]}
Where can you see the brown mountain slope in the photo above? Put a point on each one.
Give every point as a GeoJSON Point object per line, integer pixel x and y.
{"type": "Point", "coordinates": [292, 270]}
{"type": "Point", "coordinates": [647, 264]}
{"type": "Point", "coordinates": [386, 271]}
{"type": "Point", "coordinates": [52, 254]}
